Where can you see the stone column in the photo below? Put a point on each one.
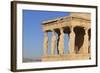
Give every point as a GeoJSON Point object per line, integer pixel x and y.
{"type": "Point", "coordinates": [45, 44]}
{"type": "Point", "coordinates": [71, 41]}
{"type": "Point", "coordinates": [53, 42]}
{"type": "Point", "coordinates": [85, 43]}
{"type": "Point", "coordinates": [61, 42]}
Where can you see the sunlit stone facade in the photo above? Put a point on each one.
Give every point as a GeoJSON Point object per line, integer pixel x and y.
{"type": "Point", "coordinates": [78, 28]}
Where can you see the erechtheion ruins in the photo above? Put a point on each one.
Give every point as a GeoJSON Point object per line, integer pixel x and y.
{"type": "Point", "coordinates": [78, 27]}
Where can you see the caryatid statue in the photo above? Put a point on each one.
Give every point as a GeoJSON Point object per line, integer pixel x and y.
{"type": "Point", "coordinates": [45, 46]}
{"type": "Point", "coordinates": [86, 42]}
{"type": "Point", "coordinates": [72, 41]}
{"type": "Point", "coordinates": [53, 42]}
{"type": "Point", "coordinates": [61, 42]}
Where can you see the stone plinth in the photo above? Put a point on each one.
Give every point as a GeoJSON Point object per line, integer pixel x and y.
{"type": "Point", "coordinates": [66, 57]}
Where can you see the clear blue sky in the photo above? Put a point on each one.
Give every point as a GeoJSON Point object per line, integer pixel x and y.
{"type": "Point", "coordinates": [32, 31]}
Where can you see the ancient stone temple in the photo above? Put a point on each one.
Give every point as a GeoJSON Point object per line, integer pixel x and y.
{"type": "Point", "coordinates": [78, 27]}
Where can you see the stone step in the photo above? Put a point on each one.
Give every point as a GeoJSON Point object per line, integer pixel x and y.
{"type": "Point", "coordinates": [66, 57]}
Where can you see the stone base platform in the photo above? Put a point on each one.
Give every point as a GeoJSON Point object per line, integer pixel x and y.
{"type": "Point", "coordinates": [66, 57]}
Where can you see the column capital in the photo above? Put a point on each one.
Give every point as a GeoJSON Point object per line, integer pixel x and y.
{"type": "Point", "coordinates": [72, 28]}
{"type": "Point", "coordinates": [52, 30]}
{"type": "Point", "coordinates": [85, 28]}
{"type": "Point", "coordinates": [61, 28]}
{"type": "Point", "coordinates": [45, 33]}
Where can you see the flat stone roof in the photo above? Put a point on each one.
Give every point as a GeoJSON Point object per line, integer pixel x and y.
{"type": "Point", "coordinates": [52, 20]}
{"type": "Point", "coordinates": [86, 16]}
